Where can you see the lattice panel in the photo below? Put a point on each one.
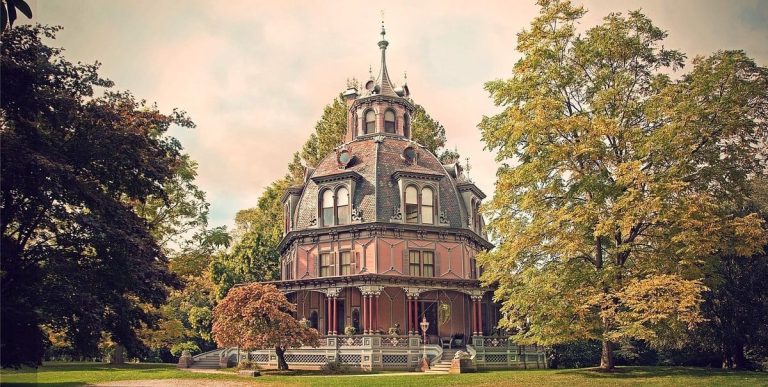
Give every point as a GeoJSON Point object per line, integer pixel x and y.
{"type": "Point", "coordinates": [349, 359]}
{"type": "Point", "coordinates": [259, 357]}
{"type": "Point", "coordinates": [394, 360]}
{"type": "Point", "coordinates": [495, 357]}
{"type": "Point", "coordinates": [305, 358]}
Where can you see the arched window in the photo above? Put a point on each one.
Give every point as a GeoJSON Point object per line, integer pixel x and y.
{"type": "Point", "coordinates": [411, 204]}
{"type": "Point", "coordinates": [389, 121]}
{"type": "Point", "coordinates": [342, 205]}
{"type": "Point", "coordinates": [427, 205]}
{"type": "Point", "coordinates": [406, 125]}
{"type": "Point", "coordinates": [370, 122]}
{"type": "Point", "coordinates": [327, 206]}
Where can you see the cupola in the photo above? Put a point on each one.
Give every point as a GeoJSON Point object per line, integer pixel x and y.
{"type": "Point", "coordinates": [381, 108]}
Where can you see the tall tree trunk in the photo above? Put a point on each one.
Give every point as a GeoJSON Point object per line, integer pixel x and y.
{"type": "Point", "coordinates": [281, 363]}
{"type": "Point", "coordinates": [606, 356]}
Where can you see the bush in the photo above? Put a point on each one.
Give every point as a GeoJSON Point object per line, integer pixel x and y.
{"type": "Point", "coordinates": [178, 348]}
{"type": "Point", "coordinates": [334, 368]}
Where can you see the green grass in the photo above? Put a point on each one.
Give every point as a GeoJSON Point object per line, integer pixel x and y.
{"type": "Point", "coordinates": [75, 374]}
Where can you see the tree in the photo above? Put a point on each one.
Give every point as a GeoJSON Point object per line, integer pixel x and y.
{"type": "Point", "coordinates": [257, 316]}
{"type": "Point", "coordinates": [75, 255]}
{"type": "Point", "coordinates": [254, 255]}
{"type": "Point", "coordinates": [8, 10]}
{"type": "Point", "coordinates": [618, 182]}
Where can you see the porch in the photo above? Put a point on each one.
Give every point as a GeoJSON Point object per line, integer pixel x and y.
{"type": "Point", "coordinates": [397, 352]}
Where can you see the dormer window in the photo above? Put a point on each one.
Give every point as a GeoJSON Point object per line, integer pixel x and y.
{"type": "Point", "coordinates": [389, 121]}
{"type": "Point", "coordinates": [370, 122]}
{"type": "Point", "coordinates": [335, 206]}
{"type": "Point", "coordinates": [419, 206]}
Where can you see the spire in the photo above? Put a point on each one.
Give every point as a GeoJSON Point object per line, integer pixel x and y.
{"type": "Point", "coordinates": [385, 83]}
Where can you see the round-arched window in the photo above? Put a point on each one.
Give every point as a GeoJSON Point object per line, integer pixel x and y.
{"type": "Point", "coordinates": [342, 205]}
{"type": "Point", "coordinates": [411, 204]}
{"type": "Point", "coordinates": [370, 122]}
{"type": "Point", "coordinates": [389, 121]}
{"type": "Point", "coordinates": [327, 205]}
{"type": "Point", "coordinates": [427, 205]}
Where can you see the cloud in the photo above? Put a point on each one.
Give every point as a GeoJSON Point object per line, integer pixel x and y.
{"type": "Point", "coordinates": [255, 76]}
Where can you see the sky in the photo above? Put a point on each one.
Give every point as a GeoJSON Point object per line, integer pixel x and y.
{"type": "Point", "coordinates": [255, 75]}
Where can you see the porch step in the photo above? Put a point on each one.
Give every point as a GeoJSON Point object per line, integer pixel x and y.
{"type": "Point", "coordinates": [444, 365]}
{"type": "Point", "coordinates": [208, 361]}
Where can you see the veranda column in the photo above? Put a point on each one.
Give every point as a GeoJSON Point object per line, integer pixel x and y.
{"type": "Point", "coordinates": [480, 315]}
{"type": "Point", "coordinates": [376, 312]}
{"type": "Point", "coordinates": [365, 313]}
{"type": "Point", "coordinates": [474, 317]}
{"type": "Point", "coordinates": [328, 322]}
{"type": "Point", "coordinates": [370, 313]}
{"type": "Point", "coordinates": [334, 315]}
{"type": "Point", "coordinates": [410, 319]}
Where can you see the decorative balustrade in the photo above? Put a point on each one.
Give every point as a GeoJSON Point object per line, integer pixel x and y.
{"type": "Point", "coordinates": [394, 341]}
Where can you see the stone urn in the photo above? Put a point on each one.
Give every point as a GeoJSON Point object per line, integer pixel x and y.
{"type": "Point", "coordinates": [185, 360]}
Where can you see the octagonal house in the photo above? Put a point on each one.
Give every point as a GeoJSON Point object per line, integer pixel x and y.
{"type": "Point", "coordinates": [380, 237]}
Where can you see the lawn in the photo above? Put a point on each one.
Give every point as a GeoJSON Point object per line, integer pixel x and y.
{"type": "Point", "coordinates": [75, 374]}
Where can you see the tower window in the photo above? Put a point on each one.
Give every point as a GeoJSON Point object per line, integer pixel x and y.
{"type": "Point", "coordinates": [342, 205]}
{"type": "Point", "coordinates": [411, 205]}
{"type": "Point", "coordinates": [406, 125]}
{"type": "Point", "coordinates": [370, 122]}
{"type": "Point", "coordinates": [389, 121]}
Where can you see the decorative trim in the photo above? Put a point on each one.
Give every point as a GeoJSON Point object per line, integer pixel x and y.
{"type": "Point", "coordinates": [470, 187]}
{"type": "Point", "coordinates": [398, 175]}
{"type": "Point", "coordinates": [397, 215]}
{"type": "Point", "coordinates": [357, 214]}
{"type": "Point", "coordinates": [336, 177]}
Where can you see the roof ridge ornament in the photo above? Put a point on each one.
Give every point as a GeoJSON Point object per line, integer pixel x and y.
{"type": "Point", "coordinates": [384, 83]}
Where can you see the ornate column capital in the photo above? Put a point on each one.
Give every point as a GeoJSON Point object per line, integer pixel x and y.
{"type": "Point", "coordinates": [413, 292]}
{"type": "Point", "coordinates": [332, 292]}
{"type": "Point", "coordinates": [371, 290]}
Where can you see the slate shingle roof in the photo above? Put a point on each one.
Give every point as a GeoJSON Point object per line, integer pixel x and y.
{"type": "Point", "coordinates": [377, 192]}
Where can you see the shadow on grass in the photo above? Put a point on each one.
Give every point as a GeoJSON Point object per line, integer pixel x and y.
{"type": "Point", "coordinates": [653, 372]}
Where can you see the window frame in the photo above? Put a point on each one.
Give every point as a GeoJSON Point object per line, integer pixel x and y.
{"type": "Point", "coordinates": [337, 219]}
{"type": "Point", "coordinates": [419, 202]}
{"type": "Point", "coordinates": [342, 265]}
{"type": "Point", "coordinates": [366, 122]}
{"type": "Point", "coordinates": [394, 121]}
{"type": "Point", "coordinates": [323, 267]}
{"type": "Point", "coordinates": [419, 264]}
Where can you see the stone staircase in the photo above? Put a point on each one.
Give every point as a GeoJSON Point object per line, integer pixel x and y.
{"type": "Point", "coordinates": [209, 360]}
{"type": "Point", "coordinates": [444, 364]}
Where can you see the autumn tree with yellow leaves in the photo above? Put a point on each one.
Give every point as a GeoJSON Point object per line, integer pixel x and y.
{"type": "Point", "coordinates": [619, 183]}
